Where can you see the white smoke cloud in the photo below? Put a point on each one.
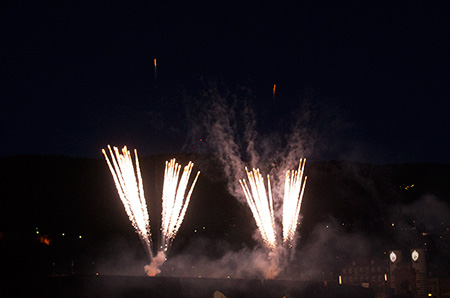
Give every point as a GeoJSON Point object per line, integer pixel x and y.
{"type": "Point", "coordinates": [244, 263]}
{"type": "Point", "coordinates": [427, 214]}
{"type": "Point", "coordinates": [154, 267]}
{"type": "Point", "coordinates": [229, 125]}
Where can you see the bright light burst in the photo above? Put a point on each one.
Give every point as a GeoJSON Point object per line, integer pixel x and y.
{"type": "Point", "coordinates": [261, 204]}
{"type": "Point", "coordinates": [131, 191]}
{"type": "Point", "coordinates": [293, 196]}
{"type": "Point", "coordinates": [174, 202]}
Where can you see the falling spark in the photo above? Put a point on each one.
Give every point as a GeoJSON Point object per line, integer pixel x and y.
{"type": "Point", "coordinates": [154, 64]}
{"type": "Point", "coordinates": [131, 191]}
{"type": "Point", "coordinates": [261, 205]}
{"type": "Point", "coordinates": [273, 90]}
{"type": "Point", "coordinates": [294, 188]}
{"type": "Point", "coordinates": [174, 201]}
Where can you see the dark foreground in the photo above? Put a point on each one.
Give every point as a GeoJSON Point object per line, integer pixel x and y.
{"type": "Point", "coordinates": [131, 286]}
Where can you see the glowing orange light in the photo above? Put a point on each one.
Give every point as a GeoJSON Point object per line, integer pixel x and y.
{"type": "Point", "coordinates": [44, 240]}
{"type": "Point", "coordinates": [154, 63]}
{"type": "Point", "coordinates": [273, 90]}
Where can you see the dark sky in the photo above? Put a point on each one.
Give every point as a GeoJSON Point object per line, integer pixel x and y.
{"type": "Point", "coordinates": [77, 76]}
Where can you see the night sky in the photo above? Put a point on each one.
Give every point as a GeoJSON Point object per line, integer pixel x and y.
{"type": "Point", "coordinates": [75, 77]}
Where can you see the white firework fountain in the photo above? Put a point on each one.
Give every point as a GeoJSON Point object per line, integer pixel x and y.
{"type": "Point", "coordinates": [128, 181]}
{"type": "Point", "coordinates": [261, 204]}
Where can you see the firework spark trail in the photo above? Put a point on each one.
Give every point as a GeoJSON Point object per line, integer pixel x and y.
{"type": "Point", "coordinates": [131, 192]}
{"type": "Point", "coordinates": [174, 202]}
{"type": "Point", "coordinates": [261, 205]}
{"type": "Point", "coordinates": [293, 196]}
{"type": "Point", "coordinates": [129, 185]}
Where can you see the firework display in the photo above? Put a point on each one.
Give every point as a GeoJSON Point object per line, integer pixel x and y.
{"type": "Point", "coordinates": [176, 195]}
{"type": "Point", "coordinates": [261, 205]}
{"type": "Point", "coordinates": [260, 202]}
{"type": "Point", "coordinates": [293, 196]}
{"type": "Point", "coordinates": [175, 202]}
{"type": "Point", "coordinates": [131, 191]}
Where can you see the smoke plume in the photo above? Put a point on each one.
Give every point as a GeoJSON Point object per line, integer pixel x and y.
{"type": "Point", "coordinates": [154, 267]}
{"type": "Point", "coordinates": [228, 124]}
{"type": "Point", "coordinates": [253, 263]}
